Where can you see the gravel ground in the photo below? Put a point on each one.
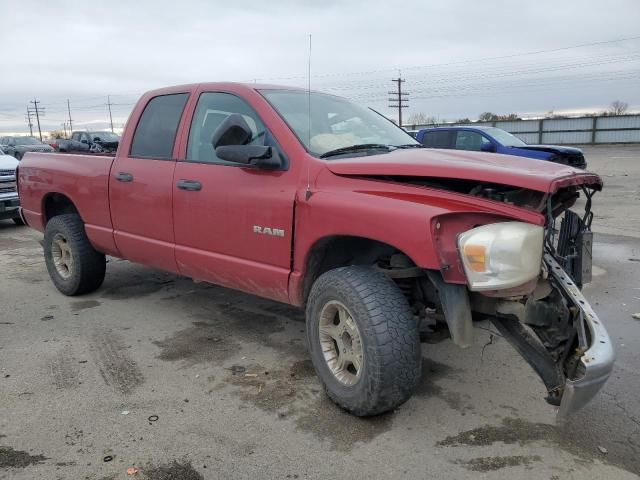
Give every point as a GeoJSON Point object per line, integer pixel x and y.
{"type": "Point", "coordinates": [192, 381]}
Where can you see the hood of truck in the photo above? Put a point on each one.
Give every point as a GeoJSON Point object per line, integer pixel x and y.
{"type": "Point", "coordinates": [480, 166]}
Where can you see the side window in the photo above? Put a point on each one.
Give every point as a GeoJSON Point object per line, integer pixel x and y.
{"type": "Point", "coordinates": [212, 109]}
{"type": "Point", "coordinates": [469, 140]}
{"type": "Point", "coordinates": [75, 136]}
{"type": "Point", "coordinates": [156, 131]}
{"type": "Point", "coordinates": [438, 139]}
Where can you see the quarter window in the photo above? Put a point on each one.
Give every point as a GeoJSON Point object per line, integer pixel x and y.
{"type": "Point", "coordinates": [156, 131]}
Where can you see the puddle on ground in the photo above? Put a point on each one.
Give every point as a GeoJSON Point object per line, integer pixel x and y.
{"type": "Point", "coordinates": [135, 289]}
{"type": "Point", "coordinates": [176, 470]}
{"type": "Point", "coordinates": [10, 458]}
{"type": "Point", "coordinates": [198, 344]}
{"type": "Point", "coordinates": [491, 464]}
{"type": "Point", "coordinates": [522, 432]}
{"type": "Point", "coordinates": [433, 371]}
{"type": "Point", "coordinates": [84, 305]}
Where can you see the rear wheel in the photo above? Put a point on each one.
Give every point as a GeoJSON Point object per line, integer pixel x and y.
{"type": "Point", "coordinates": [363, 340]}
{"type": "Point", "coordinates": [74, 266]}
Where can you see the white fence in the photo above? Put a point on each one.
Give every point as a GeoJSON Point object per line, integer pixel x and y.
{"type": "Point", "coordinates": [566, 131]}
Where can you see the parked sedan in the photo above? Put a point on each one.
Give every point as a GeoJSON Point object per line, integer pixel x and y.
{"type": "Point", "coordinates": [18, 146]}
{"type": "Point", "coordinates": [492, 139]}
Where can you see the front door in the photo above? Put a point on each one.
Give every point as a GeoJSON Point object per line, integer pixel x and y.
{"type": "Point", "coordinates": [233, 223]}
{"type": "Point", "coordinates": [141, 182]}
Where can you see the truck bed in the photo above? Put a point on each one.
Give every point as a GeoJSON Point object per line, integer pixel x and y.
{"type": "Point", "coordinates": [83, 179]}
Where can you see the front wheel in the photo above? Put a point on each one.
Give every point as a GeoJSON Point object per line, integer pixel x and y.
{"type": "Point", "coordinates": [363, 340]}
{"type": "Point", "coordinates": [74, 266]}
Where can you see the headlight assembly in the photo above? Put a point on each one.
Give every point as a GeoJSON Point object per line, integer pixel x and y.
{"type": "Point", "coordinates": [501, 255]}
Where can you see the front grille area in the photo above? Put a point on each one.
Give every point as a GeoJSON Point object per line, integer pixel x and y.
{"type": "Point", "coordinates": [11, 189]}
{"type": "Point", "coordinates": [7, 173]}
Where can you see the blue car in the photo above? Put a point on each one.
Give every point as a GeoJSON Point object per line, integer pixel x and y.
{"type": "Point", "coordinates": [496, 140]}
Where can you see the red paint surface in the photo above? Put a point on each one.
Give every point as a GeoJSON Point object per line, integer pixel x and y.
{"type": "Point", "coordinates": [208, 234]}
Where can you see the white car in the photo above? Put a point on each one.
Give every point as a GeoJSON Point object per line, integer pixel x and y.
{"type": "Point", "coordinates": [9, 202]}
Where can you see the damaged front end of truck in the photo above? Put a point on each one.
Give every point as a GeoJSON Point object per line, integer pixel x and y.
{"type": "Point", "coordinates": [524, 278]}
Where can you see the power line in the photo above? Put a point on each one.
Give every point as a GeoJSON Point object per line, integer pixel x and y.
{"type": "Point", "coordinates": [35, 104]}
{"type": "Point", "coordinates": [110, 117]}
{"type": "Point", "coordinates": [70, 121]}
{"type": "Point", "coordinates": [400, 98]}
{"type": "Point", "coordinates": [28, 116]}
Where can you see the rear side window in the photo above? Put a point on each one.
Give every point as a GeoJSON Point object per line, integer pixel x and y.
{"type": "Point", "coordinates": [156, 130]}
{"type": "Point", "coordinates": [438, 139]}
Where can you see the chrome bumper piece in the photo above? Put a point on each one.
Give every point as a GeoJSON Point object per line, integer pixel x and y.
{"type": "Point", "coordinates": [596, 363]}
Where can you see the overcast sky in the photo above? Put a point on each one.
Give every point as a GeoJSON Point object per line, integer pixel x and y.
{"type": "Point", "coordinates": [84, 51]}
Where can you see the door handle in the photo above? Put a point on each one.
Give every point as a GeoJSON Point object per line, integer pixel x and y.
{"type": "Point", "coordinates": [189, 185]}
{"type": "Point", "coordinates": [124, 177]}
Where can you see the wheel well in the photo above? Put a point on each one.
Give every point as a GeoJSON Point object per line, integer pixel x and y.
{"type": "Point", "coordinates": [341, 251]}
{"type": "Point", "coordinates": [57, 204]}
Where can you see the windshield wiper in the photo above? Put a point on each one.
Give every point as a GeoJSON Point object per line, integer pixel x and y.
{"type": "Point", "coordinates": [357, 148]}
{"type": "Point", "coordinates": [410, 145]}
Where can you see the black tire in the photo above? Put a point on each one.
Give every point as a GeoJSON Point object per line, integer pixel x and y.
{"type": "Point", "coordinates": [392, 363]}
{"type": "Point", "coordinates": [18, 221]}
{"type": "Point", "coordinates": [87, 269]}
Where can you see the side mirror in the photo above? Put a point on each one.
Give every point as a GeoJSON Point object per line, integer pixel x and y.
{"type": "Point", "coordinates": [96, 139]}
{"type": "Point", "coordinates": [234, 130]}
{"type": "Point", "coordinates": [230, 141]}
{"type": "Point", "coordinates": [488, 147]}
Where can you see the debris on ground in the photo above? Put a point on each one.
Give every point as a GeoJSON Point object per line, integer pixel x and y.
{"type": "Point", "coordinates": [236, 369]}
{"type": "Point", "coordinates": [603, 450]}
{"type": "Point", "coordinates": [132, 471]}
{"type": "Point", "coordinates": [153, 418]}
{"type": "Point", "coordinates": [636, 316]}
{"type": "Point", "coordinates": [124, 412]}
{"type": "Point", "coordinates": [46, 318]}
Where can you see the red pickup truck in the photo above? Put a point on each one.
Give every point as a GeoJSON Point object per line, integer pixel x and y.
{"type": "Point", "coordinates": [308, 199]}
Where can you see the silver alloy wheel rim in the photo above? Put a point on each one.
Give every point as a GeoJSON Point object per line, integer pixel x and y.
{"type": "Point", "coordinates": [61, 255]}
{"type": "Point", "coordinates": [341, 342]}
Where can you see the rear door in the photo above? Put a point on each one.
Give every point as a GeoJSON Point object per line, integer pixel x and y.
{"type": "Point", "coordinates": [141, 183]}
{"type": "Point", "coordinates": [233, 223]}
{"type": "Point", "coordinates": [438, 139]}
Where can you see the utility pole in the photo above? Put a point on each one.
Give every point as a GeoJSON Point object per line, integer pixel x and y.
{"type": "Point", "coordinates": [70, 121]}
{"type": "Point", "coordinates": [35, 105]}
{"type": "Point", "coordinates": [110, 117]}
{"type": "Point", "coordinates": [28, 116]}
{"type": "Point", "coordinates": [399, 98]}
{"type": "Point", "coordinates": [64, 127]}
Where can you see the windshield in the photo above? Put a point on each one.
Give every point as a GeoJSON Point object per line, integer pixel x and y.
{"type": "Point", "coordinates": [105, 136]}
{"type": "Point", "coordinates": [27, 141]}
{"type": "Point", "coordinates": [505, 138]}
{"type": "Point", "coordinates": [335, 122]}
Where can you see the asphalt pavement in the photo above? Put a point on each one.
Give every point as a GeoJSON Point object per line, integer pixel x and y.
{"type": "Point", "coordinates": [185, 380]}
